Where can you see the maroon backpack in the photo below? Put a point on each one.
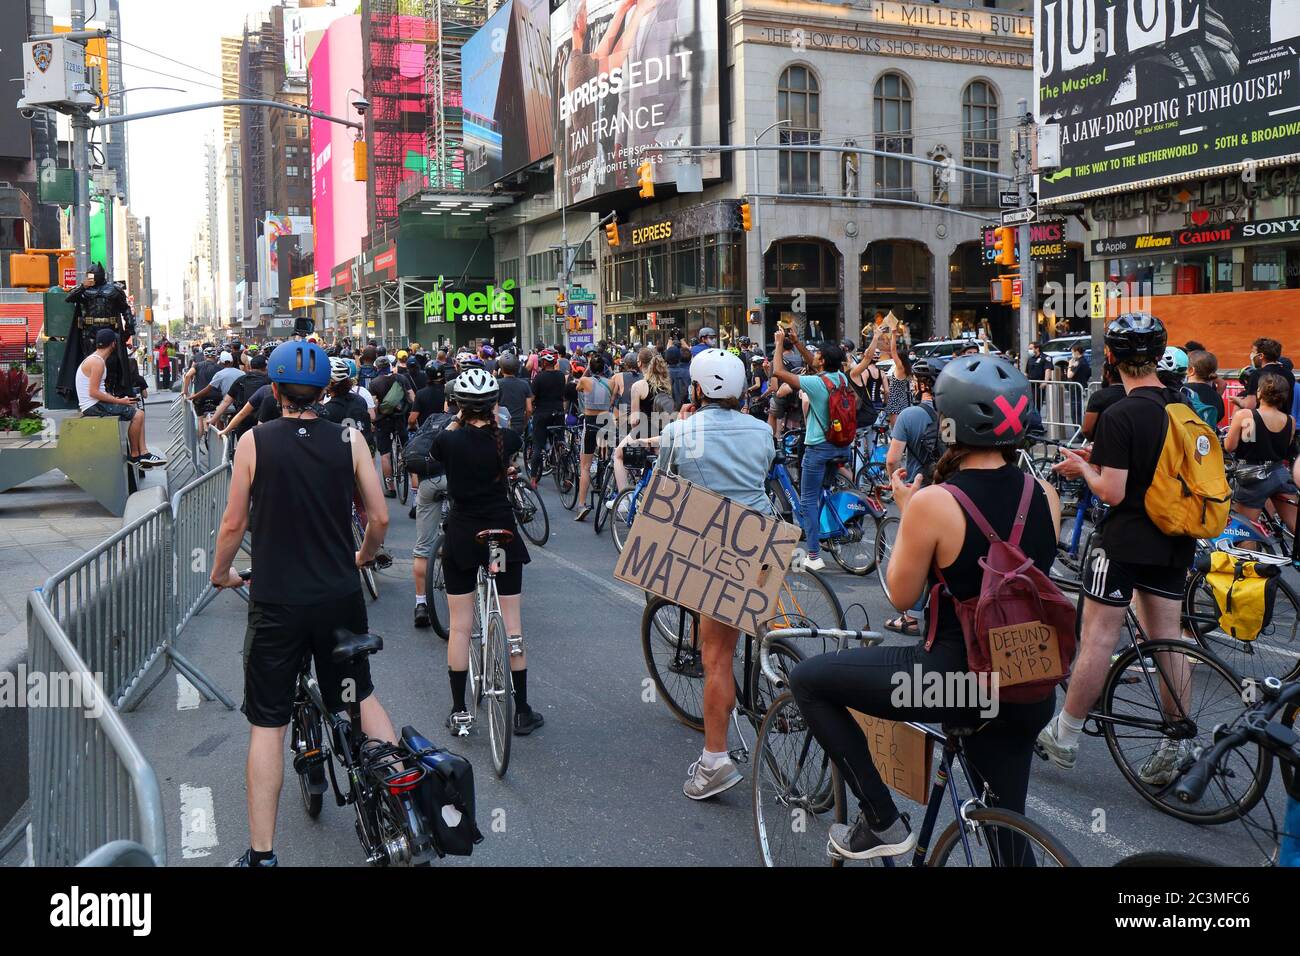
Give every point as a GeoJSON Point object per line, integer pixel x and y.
{"type": "Point", "coordinates": [1020, 624]}
{"type": "Point", "coordinates": [841, 412]}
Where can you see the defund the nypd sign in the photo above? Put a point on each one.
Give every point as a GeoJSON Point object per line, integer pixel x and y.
{"type": "Point", "coordinates": [494, 305]}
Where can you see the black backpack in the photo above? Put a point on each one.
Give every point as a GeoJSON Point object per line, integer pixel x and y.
{"type": "Point", "coordinates": [931, 447]}
{"type": "Point", "coordinates": [418, 458]}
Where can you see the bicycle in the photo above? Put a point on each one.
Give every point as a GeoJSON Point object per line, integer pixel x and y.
{"type": "Point", "coordinates": [601, 487]}
{"type": "Point", "coordinates": [636, 458]}
{"type": "Point", "coordinates": [435, 586]}
{"type": "Point", "coordinates": [530, 510]}
{"type": "Point", "coordinates": [381, 778]}
{"type": "Point", "coordinates": [490, 650]}
{"type": "Point", "coordinates": [671, 647]}
{"type": "Point", "coordinates": [367, 572]}
{"type": "Point", "coordinates": [848, 517]}
{"type": "Point", "coordinates": [565, 441]}
{"type": "Point", "coordinates": [813, 786]}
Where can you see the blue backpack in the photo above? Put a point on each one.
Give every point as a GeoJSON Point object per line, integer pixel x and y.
{"type": "Point", "coordinates": [1203, 409]}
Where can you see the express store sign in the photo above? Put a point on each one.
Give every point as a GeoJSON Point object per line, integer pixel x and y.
{"type": "Point", "coordinates": [1228, 233]}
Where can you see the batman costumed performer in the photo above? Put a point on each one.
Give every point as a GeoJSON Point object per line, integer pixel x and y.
{"type": "Point", "coordinates": [100, 304]}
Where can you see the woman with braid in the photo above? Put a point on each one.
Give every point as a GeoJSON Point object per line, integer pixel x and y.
{"type": "Point", "coordinates": [476, 453]}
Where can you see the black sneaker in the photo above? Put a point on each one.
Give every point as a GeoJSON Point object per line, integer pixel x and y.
{"type": "Point", "coordinates": [422, 615]}
{"type": "Point", "coordinates": [383, 560]}
{"type": "Point", "coordinates": [388, 488]}
{"type": "Point", "coordinates": [526, 721]}
{"type": "Point", "coordinates": [411, 514]}
{"type": "Point", "coordinates": [860, 842]}
{"type": "Point", "coordinates": [247, 860]}
{"type": "Point", "coordinates": [150, 460]}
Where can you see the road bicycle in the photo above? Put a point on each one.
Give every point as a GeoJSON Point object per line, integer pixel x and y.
{"type": "Point", "coordinates": [401, 477]}
{"type": "Point", "coordinates": [636, 458]}
{"type": "Point", "coordinates": [490, 650]}
{"type": "Point", "coordinates": [671, 647]}
{"type": "Point", "coordinates": [849, 518]}
{"type": "Point", "coordinates": [530, 510]}
{"type": "Point", "coordinates": [565, 445]}
{"type": "Point", "coordinates": [381, 779]}
{"type": "Point", "coordinates": [799, 793]}
{"type": "Point", "coordinates": [601, 487]}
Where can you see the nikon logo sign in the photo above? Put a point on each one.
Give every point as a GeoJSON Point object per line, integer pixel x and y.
{"type": "Point", "coordinates": [493, 304]}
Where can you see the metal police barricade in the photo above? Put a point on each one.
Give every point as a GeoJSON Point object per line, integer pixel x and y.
{"type": "Point", "coordinates": [90, 783]}
{"type": "Point", "coordinates": [1061, 405]}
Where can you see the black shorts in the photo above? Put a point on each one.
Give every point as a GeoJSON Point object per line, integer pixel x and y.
{"type": "Point", "coordinates": [458, 581]}
{"type": "Point", "coordinates": [592, 426]}
{"type": "Point", "coordinates": [1113, 582]}
{"type": "Point", "coordinates": [385, 428]}
{"type": "Point", "coordinates": [278, 640]}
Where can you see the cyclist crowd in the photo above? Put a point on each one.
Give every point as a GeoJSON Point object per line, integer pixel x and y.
{"type": "Point", "coordinates": [950, 434]}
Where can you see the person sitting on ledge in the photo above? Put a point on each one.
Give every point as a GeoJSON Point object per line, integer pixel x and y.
{"type": "Point", "coordinates": [94, 402]}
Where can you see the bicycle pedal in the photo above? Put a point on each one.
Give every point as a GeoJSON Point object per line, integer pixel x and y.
{"type": "Point", "coordinates": [739, 756]}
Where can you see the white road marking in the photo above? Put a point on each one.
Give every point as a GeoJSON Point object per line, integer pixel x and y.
{"type": "Point", "coordinates": [1068, 821]}
{"type": "Point", "coordinates": [198, 822]}
{"type": "Point", "coordinates": [608, 584]}
{"type": "Point", "coordinates": [187, 695]}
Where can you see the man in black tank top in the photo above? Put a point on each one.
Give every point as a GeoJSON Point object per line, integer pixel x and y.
{"type": "Point", "coordinates": [298, 473]}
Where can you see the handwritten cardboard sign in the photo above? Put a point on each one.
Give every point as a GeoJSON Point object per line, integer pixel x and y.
{"type": "Point", "coordinates": [1025, 652]}
{"type": "Point", "coordinates": [901, 753]}
{"type": "Point", "coordinates": [707, 553]}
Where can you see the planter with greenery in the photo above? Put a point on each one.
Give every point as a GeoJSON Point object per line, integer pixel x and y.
{"type": "Point", "coordinates": [19, 408]}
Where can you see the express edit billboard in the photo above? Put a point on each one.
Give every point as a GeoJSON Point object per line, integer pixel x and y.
{"type": "Point", "coordinates": [1144, 89]}
{"type": "Point", "coordinates": [630, 75]}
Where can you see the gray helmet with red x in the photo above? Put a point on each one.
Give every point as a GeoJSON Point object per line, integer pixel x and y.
{"type": "Point", "coordinates": [986, 399]}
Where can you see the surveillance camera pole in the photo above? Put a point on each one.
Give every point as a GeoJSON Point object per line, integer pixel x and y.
{"type": "Point", "coordinates": [81, 166]}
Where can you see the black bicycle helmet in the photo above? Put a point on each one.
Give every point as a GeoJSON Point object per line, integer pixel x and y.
{"type": "Point", "coordinates": [985, 398]}
{"type": "Point", "coordinates": [929, 367]}
{"type": "Point", "coordinates": [1136, 337]}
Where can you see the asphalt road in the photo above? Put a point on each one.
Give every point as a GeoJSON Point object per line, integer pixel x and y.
{"type": "Point", "coordinates": [600, 784]}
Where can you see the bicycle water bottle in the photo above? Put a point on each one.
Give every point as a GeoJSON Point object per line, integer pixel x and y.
{"type": "Point", "coordinates": [1289, 853]}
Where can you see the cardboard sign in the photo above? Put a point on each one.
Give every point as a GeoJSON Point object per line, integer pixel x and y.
{"type": "Point", "coordinates": [1025, 652]}
{"type": "Point", "coordinates": [707, 553]}
{"type": "Point", "coordinates": [901, 753]}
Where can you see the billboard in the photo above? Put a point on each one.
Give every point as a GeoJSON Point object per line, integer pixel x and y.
{"type": "Point", "coordinates": [1147, 89]}
{"type": "Point", "coordinates": [298, 23]}
{"type": "Point", "coordinates": [338, 201]}
{"type": "Point", "coordinates": [629, 75]}
{"type": "Point", "coordinates": [507, 86]}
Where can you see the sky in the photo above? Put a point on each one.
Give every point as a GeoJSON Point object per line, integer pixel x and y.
{"type": "Point", "coordinates": [166, 156]}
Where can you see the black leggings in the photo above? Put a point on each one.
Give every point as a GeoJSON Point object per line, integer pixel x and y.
{"type": "Point", "coordinates": [542, 423]}
{"type": "Point", "coordinates": [862, 678]}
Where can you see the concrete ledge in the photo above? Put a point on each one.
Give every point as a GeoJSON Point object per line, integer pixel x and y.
{"type": "Point", "coordinates": [142, 502]}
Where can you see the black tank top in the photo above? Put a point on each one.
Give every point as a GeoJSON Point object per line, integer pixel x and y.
{"type": "Point", "coordinates": [1268, 446]}
{"type": "Point", "coordinates": [996, 492]}
{"type": "Point", "coordinates": [303, 551]}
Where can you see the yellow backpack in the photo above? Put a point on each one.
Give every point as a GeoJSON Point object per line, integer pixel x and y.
{"type": "Point", "coordinates": [1189, 494]}
{"type": "Point", "coordinates": [1243, 591]}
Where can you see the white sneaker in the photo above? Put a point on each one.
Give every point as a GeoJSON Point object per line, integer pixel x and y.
{"type": "Point", "coordinates": [814, 564]}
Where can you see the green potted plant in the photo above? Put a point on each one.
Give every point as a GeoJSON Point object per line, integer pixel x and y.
{"type": "Point", "coordinates": [19, 408]}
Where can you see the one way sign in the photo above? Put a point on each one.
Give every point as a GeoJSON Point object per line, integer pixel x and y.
{"type": "Point", "coordinates": [1018, 217]}
{"type": "Point", "coordinates": [1010, 199]}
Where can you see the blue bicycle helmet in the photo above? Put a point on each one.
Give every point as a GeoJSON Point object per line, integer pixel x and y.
{"type": "Point", "coordinates": [300, 363]}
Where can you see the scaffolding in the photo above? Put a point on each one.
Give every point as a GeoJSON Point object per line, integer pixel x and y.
{"type": "Point", "coordinates": [455, 21]}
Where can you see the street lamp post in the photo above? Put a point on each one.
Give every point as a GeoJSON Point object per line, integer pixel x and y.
{"type": "Point", "coordinates": [758, 216]}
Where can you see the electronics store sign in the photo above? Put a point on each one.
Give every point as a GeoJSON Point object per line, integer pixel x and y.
{"type": "Point", "coordinates": [494, 305]}
{"type": "Point", "coordinates": [1228, 233]}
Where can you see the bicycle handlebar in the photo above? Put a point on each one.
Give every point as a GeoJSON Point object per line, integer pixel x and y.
{"type": "Point", "coordinates": [1250, 726]}
{"type": "Point", "coordinates": [868, 639]}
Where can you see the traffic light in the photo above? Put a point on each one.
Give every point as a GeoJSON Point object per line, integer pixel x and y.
{"type": "Point", "coordinates": [746, 217]}
{"type": "Point", "coordinates": [645, 178]}
{"type": "Point", "coordinates": [1000, 290]}
{"type": "Point", "coordinates": [611, 233]}
{"type": "Point", "coordinates": [1004, 242]}
{"type": "Point", "coordinates": [360, 161]}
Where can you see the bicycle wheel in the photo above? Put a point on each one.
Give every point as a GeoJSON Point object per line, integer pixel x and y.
{"type": "Point", "coordinates": [435, 590]}
{"type": "Point", "coordinates": [368, 572]}
{"type": "Point", "coordinates": [783, 655]}
{"type": "Point", "coordinates": [530, 513]}
{"type": "Point", "coordinates": [886, 534]}
{"type": "Point", "coordinates": [499, 690]}
{"type": "Point", "coordinates": [620, 522]}
{"type": "Point", "coordinates": [798, 792]}
{"type": "Point", "coordinates": [1275, 652]}
{"type": "Point", "coordinates": [670, 642]}
{"type": "Point", "coordinates": [806, 600]}
{"type": "Point", "coordinates": [566, 477]}
{"type": "Point", "coordinates": [401, 477]}
{"type": "Point", "coordinates": [1202, 693]}
{"type": "Point", "coordinates": [603, 490]}
{"type": "Point", "coordinates": [855, 551]}
{"type": "Point", "coordinates": [1001, 838]}
{"type": "Point", "coordinates": [305, 741]}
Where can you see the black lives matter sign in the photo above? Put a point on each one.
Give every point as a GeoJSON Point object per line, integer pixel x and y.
{"type": "Point", "coordinates": [707, 553]}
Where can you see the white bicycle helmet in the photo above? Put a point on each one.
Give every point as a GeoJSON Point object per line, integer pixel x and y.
{"type": "Point", "coordinates": [1174, 360]}
{"type": "Point", "coordinates": [475, 388]}
{"type": "Point", "coordinates": [719, 374]}
{"type": "Point", "coordinates": [339, 369]}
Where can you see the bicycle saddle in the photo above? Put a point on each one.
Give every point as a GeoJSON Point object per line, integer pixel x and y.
{"type": "Point", "coordinates": [349, 646]}
{"type": "Point", "coordinates": [497, 534]}
{"type": "Point", "coordinates": [957, 730]}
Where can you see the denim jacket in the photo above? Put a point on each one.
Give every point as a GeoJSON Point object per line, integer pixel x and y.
{"type": "Point", "coordinates": [730, 453]}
